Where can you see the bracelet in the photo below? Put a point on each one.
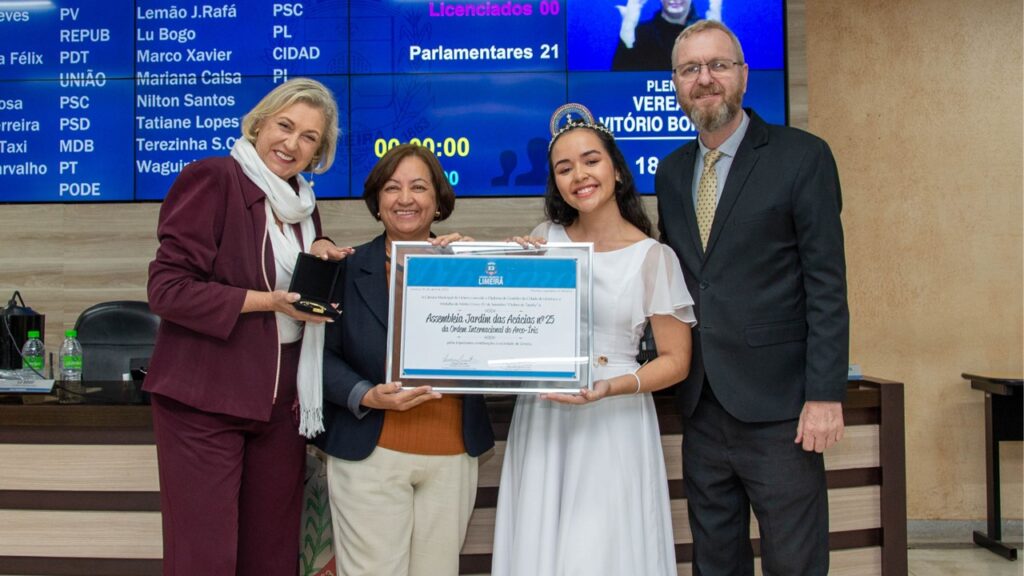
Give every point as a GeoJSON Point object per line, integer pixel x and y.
{"type": "Point", "coordinates": [637, 376]}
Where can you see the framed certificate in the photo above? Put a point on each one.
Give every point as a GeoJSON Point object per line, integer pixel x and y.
{"type": "Point", "coordinates": [490, 317]}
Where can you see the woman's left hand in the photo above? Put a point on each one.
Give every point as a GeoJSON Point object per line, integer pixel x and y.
{"type": "Point", "coordinates": [585, 396]}
{"type": "Point", "coordinates": [528, 242]}
{"type": "Point", "coordinates": [280, 301]}
{"type": "Point", "coordinates": [326, 250]}
{"type": "Point", "coordinates": [446, 239]}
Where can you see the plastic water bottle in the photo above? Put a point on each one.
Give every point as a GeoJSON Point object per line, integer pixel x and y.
{"type": "Point", "coordinates": [71, 369]}
{"type": "Point", "coordinates": [33, 354]}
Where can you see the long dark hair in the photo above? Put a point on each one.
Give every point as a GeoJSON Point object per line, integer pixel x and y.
{"type": "Point", "coordinates": [630, 206]}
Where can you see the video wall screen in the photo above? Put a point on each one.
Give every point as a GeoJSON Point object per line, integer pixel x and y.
{"type": "Point", "coordinates": [107, 101]}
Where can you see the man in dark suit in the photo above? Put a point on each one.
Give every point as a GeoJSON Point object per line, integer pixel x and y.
{"type": "Point", "coordinates": [752, 210]}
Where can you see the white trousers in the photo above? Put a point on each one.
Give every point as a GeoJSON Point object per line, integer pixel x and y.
{"type": "Point", "coordinates": [398, 514]}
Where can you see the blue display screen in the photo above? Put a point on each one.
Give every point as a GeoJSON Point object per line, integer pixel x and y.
{"type": "Point", "coordinates": [488, 130]}
{"type": "Point", "coordinates": [107, 101]}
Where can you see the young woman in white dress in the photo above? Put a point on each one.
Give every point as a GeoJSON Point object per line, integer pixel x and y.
{"type": "Point", "coordinates": [583, 486]}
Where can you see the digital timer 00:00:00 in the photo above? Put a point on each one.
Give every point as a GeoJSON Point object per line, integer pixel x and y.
{"type": "Point", "coordinates": [444, 148]}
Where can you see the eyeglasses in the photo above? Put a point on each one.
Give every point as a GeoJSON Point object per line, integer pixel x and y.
{"type": "Point", "coordinates": [715, 68]}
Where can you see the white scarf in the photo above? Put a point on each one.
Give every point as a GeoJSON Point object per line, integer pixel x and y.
{"type": "Point", "coordinates": [291, 209]}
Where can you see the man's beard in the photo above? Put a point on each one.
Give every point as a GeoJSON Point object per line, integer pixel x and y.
{"type": "Point", "coordinates": [710, 120]}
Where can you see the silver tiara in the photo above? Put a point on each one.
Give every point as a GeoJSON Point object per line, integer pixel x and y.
{"type": "Point", "coordinates": [562, 121]}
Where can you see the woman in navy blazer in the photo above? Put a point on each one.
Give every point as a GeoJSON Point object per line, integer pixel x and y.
{"type": "Point", "coordinates": [402, 469]}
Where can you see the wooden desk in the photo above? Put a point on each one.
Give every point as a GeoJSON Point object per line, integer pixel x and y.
{"type": "Point", "coordinates": [79, 493]}
{"type": "Point", "coordinates": [1004, 421]}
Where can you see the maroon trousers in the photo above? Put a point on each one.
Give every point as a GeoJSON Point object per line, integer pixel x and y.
{"type": "Point", "coordinates": [231, 488]}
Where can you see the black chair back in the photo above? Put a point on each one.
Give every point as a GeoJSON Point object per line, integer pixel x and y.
{"type": "Point", "coordinates": [116, 337]}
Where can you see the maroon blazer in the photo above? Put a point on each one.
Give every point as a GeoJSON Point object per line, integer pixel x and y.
{"type": "Point", "coordinates": [214, 247]}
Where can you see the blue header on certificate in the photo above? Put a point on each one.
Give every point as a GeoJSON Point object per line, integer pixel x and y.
{"type": "Point", "coordinates": [486, 272]}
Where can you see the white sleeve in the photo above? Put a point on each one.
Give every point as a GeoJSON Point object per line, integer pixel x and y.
{"type": "Point", "coordinates": [542, 230]}
{"type": "Point", "coordinates": [665, 292]}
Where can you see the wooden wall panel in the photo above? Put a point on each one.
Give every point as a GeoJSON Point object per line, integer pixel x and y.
{"type": "Point", "coordinates": [107, 468]}
{"type": "Point", "coordinates": [853, 562]}
{"type": "Point", "coordinates": [849, 509]}
{"type": "Point", "coordinates": [47, 533]}
{"type": "Point", "coordinates": [108, 493]}
{"type": "Point", "coordinates": [859, 449]}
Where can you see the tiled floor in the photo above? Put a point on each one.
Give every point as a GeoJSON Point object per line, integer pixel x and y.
{"type": "Point", "coordinates": [955, 560]}
{"type": "Point", "coordinates": [945, 548]}
{"type": "Point", "coordinates": [960, 560]}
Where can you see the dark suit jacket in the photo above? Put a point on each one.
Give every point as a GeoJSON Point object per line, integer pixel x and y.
{"type": "Point", "coordinates": [770, 291]}
{"type": "Point", "coordinates": [355, 349]}
{"type": "Point", "coordinates": [212, 234]}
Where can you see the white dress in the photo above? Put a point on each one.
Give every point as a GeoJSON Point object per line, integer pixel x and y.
{"type": "Point", "coordinates": [583, 488]}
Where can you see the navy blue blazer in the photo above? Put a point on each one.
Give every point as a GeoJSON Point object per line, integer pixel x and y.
{"type": "Point", "coordinates": [355, 349]}
{"type": "Point", "coordinates": [770, 290]}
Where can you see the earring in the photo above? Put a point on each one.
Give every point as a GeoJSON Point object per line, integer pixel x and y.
{"type": "Point", "coordinates": [437, 214]}
{"type": "Point", "coordinates": [378, 215]}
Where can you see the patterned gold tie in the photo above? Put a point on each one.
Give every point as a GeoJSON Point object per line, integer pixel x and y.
{"type": "Point", "coordinates": [707, 196]}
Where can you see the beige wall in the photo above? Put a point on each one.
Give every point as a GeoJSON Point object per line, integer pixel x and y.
{"type": "Point", "coordinates": [933, 292]}
{"type": "Point", "coordinates": [921, 102]}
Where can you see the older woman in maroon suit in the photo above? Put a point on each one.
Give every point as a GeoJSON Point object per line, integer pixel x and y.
{"type": "Point", "coordinates": [236, 373]}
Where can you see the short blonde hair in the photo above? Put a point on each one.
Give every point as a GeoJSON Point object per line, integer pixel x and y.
{"type": "Point", "coordinates": [703, 26]}
{"type": "Point", "coordinates": [310, 92]}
